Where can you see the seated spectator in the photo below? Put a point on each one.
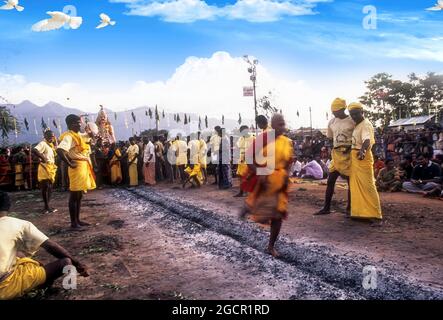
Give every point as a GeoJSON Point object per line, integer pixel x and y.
{"type": "Point", "coordinates": [324, 167]}
{"type": "Point", "coordinates": [295, 168]}
{"type": "Point", "coordinates": [406, 167]}
{"type": "Point", "coordinates": [388, 178]}
{"type": "Point", "coordinates": [439, 146]}
{"type": "Point", "coordinates": [436, 192]}
{"type": "Point", "coordinates": [312, 170]}
{"type": "Point", "coordinates": [424, 147]}
{"type": "Point", "coordinates": [19, 275]}
{"type": "Point", "coordinates": [378, 165]}
{"type": "Point", "coordinates": [425, 177]}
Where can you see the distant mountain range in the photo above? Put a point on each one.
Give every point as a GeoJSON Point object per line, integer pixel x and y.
{"type": "Point", "coordinates": [122, 121]}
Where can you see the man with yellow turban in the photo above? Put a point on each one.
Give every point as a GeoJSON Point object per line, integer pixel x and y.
{"type": "Point", "coordinates": [365, 201]}
{"type": "Point", "coordinates": [47, 169]}
{"type": "Point", "coordinates": [74, 150]}
{"type": "Point", "coordinates": [340, 130]}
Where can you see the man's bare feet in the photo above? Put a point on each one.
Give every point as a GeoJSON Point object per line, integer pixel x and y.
{"type": "Point", "coordinates": [272, 252]}
{"type": "Point", "coordinates": [243, 213]}
{"type": "Point", "coordinates": [76, 227]}
{"type": "Point", "coordinates": [83, 224]}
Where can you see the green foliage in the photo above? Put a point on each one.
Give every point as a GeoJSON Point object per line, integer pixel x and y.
{"type": "Point", "coordinates": [265, 105]}
{"type": "Point", "coordinates": [389, 99]}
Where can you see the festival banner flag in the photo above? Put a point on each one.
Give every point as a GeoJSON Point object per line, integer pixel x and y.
{"type": "Point", "coordinates": [44, 125]}
{"type": "Point", "coordinates": [59, 127]}
{"type": "Point", "coordinates": [35, 127]}
{"type": "Point", "coordinates": [26, 124]}
{"type": "Point", "coordinates": [126, 122]}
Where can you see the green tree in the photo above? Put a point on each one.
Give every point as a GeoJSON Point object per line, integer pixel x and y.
{"type": "Point", "coordinates": [265, 105]}
{"type": "Point", "coordinates": [430, 93]}
{"type": "Point", "coordinates": [388, 99]}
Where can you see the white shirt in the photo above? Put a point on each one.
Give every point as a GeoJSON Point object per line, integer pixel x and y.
{"type": "Point", "coordinates": [133, 151]}
{"type": "Point", "coordinates": [45, 149]}
{"type": "Point", "coordinates": [194, 151]}
{"type": "Point", "coordinates": [296, 167]}
{"type": "Point", "coordinates": [314, 169]}
{"type": "Point", "coordinates": [68, 144]}
{"type": "Point", "coordinates": [17, 235]}
{"type": "Point", "coordinates": [149, 151]}
{"type": "Point", "coordinates": [340, 130]}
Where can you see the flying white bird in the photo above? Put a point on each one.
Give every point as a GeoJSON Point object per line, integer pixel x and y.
{"type": "Point", "coordinates": [58, 20]}
{"type": "Point", "coordinates": [438, 6]}
{"type": "Point", "coordinates": [12, 4]}
{"type": "Point", "coordinates": [105, 21]}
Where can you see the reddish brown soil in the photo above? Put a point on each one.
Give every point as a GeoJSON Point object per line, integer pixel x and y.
{"type": "Point", "coordinates": [131, 258]}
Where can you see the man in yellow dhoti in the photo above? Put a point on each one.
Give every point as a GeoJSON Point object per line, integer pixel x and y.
{"type": "Point", "coordinates": [74, 150]}
{"type": "Point", "coordinates": [365, 201]}
{"type": "Point", "coordinates": [340, 130]}
{"type": "Point", "coordinates": [180, 147]}
{"type": "Point", "coordinates": [268, 203]}
{"type": "Point", "coordinates": [19, 159]}
{"type": "Point", "coordinates": [47, 169]}
{"type": "Point", "coordinates": [21, 275]}
{"type": "Point", "coordinates": [114, 163]}
{"type": "Point", "coordinates": [133, 152]}
{"type": "Point", "coordinates": [193, 170]}
{"type": "Point", "coordinates": [244, 142]}
{"type": "Point", "coordinates": [202, 158]}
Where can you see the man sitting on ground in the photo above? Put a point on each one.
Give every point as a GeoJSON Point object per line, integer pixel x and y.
{"type": "Point", "coordinates": [312, 170]}
{"type": "Point", "coordinates": [388, 178]}
{"type": "Point", "coordinates": [425, 177]}
{"type": "Point", "coordinates": [21, 275]}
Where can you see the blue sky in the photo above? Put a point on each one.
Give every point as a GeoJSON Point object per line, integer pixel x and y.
{"type": "Point", "coordinates": [324, 44]}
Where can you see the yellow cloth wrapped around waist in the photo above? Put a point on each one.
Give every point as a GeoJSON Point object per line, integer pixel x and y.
{"type": "Point", "coordinates": [341, 162]}
{"type": "Point", "coordinates": [273, 189]}
{"type": "Point", "coordinates": [195, 172]}
{"type": "Point", "coordinates": [81, 178]}
{"type": "Point", "coordinates": [242, 169]}
{"type": "Point", "coordinates": [27, 275]}
{"type": "Point", "coordinates": [47, 171]}
{"type": "Point", "coordinates": [365, 201]}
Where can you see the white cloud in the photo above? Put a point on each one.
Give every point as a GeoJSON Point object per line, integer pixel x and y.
{"type": "Point", "coordinates": [265, 10]}
{"type": "Point", "coordinates": [207, 86]}
{"type": "Point", "coordinates": [185, 11]}
{"type": "Point", "coordinates": [182, 11]}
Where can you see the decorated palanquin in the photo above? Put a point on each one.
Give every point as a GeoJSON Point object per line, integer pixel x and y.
{"type": "Point", "coordinates": [101, 146]}
{"type": "Point", "coordinates": [105, 137]}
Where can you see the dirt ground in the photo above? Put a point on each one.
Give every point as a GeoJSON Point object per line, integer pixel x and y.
{"type": "Point", "coordinates": [139, 249]}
